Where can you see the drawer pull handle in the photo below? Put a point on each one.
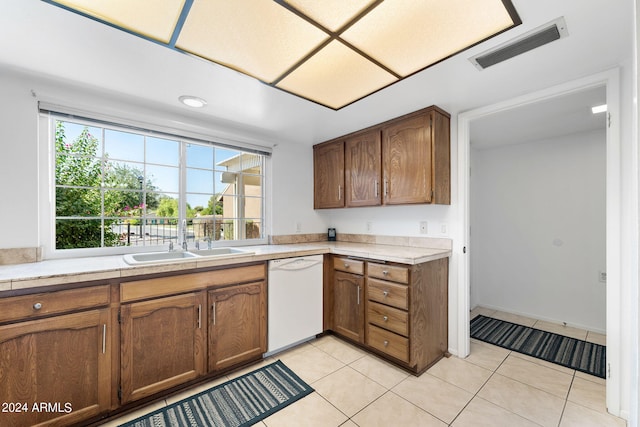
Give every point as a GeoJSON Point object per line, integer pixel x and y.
{"type": "Point", "coordinates": [385, 293]}
{"type": "Point", "coordinates": [346, 265]}
{"type": "Point", "coordinates": [37, 306]}
{"type": "Point", "coordinates": [385, 272]}
{"type": "Point", "coordinates": [385, 318]}
{"type": "Point", "coordinates": [386, 343]}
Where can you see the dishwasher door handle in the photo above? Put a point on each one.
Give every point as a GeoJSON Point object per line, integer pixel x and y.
{"type": "Point", "coordinates": [293, 265]}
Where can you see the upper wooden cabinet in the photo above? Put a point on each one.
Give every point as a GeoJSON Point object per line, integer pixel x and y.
{"type": "Point", "coordinates": [403, 161]}
{"type": "Point", "coordinates": [363, 173]}
{"type": "Point", "coordinates": [415, 159]}
{"type": "Point", "coordinates": [328, 175]}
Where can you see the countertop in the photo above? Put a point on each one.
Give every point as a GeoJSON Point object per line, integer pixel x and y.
{"type": "Point", "coordinates": [62, 271]}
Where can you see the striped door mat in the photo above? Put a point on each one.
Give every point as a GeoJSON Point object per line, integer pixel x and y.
{"type": "Point", "coordinates": [240, 402]}
{"type": "Point", "coordinates": [572, 353]}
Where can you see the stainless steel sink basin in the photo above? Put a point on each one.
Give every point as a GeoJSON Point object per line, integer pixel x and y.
{"type": "Point", "coordinates": [158, 257]}
{"type": "Point", "coordinates": [220, 252]}
{"type": "Point", "coordinates": [165, 257]}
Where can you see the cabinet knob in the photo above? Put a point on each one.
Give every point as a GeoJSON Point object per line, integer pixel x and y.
{"type": "Point", "coordinates": [37, 306]}
{"type": "Point", "coordinates": [385, 293]}
{"type": "Point", "coordinates": [385, 272]}
{"type": "Point", "coordinates": [386, 343]}
{"type": "Point", "coordinates": [346, 265]}
{"type": "Point", "coordinates": [385, 318]}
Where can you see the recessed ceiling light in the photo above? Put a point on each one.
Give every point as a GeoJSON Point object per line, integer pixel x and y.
{"type": "Point", "coordinates": [192, 101]}
{"type": "Point", "coordinates": [599, 109]}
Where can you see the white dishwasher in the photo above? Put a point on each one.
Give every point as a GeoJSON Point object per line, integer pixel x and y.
{"type": "Point", "coordinates": [295, 301]}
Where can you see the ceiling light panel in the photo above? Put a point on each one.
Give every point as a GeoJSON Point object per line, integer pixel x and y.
{"type": "Point", "coordinates": [155, 19]}
{"type": "Point", "coordinates": [336, 76]}
{"type": "Point", "coordinates": [333, 52]}
{"type": "Point", "coordinates": [409, 35]}
{"type": "Point", "coordinates": [331, 14]}
{"type": "Point", "coordinates": [259, 38]}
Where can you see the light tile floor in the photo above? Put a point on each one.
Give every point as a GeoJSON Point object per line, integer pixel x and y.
{"type": "Point", "coordinates": [491, 387]}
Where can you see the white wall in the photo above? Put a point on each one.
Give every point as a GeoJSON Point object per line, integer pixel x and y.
{"type": "Point", "coordinates": [292, 191]}
{"type": "Point", "coordinates": [18, 165]}
{"type": "Point", "coordinates": [538, 229]}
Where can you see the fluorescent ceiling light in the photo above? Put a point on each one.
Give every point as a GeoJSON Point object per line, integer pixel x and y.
{"type": "Point", "coordinates": [192, 101]}
{"type": "Point", "coordinates": [599, 109]}
{"type": "Point", "coordinates": [332, 52]}
{"type": "Point", "coordinates": [143, 17]}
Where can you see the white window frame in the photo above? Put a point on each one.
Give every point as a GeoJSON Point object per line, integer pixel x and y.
{"type": "Point", "coordinates": [46, 133]}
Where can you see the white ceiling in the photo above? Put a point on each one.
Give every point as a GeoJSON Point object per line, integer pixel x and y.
{"type": "Point", "coordinates": [558, 116]}
{"type": "Point", "coordinates": [56, 44]}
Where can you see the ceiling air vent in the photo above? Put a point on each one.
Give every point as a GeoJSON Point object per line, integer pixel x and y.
{"type": "Point", "coordinates": [540, 36]}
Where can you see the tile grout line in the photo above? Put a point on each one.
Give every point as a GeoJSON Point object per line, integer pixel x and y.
{"type": "Point", "coordinates": [480, 388]}
{"type": "Point", "coordinates": [564, 407]}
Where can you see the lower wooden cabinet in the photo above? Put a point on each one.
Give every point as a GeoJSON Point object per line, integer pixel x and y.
{"type": "Point", "coordinates": [162, 344]}
{"type": "Point", "coordinates": [237, 325]}
{"type": "Point", "coordinates": [399, 311]}
{"type": "Point", "coordinates": [55, 371]}
{"type": "Point", "coordinates": [348, 305]}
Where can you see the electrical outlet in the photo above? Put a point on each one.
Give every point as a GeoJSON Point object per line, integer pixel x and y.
{"type": "Point", "coordinates": [369, 226]}
{"type": "Point", "coordinates": [602, 276]}
{"type": "Point", "coordinates": [298, 227]}
{"type": "Point", "coordinates": [423, 227]}
{"type": "Point", "coordinates": [444, 229]}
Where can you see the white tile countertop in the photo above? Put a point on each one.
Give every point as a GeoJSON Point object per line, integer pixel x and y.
{"type": "Point", "coordinates": [63, 271]}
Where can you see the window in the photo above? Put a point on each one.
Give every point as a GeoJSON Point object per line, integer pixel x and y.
{"type": "Point", "coordinates": [121, 187]}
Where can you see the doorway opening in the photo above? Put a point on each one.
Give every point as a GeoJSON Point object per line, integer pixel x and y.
{"type": "Point", "coordinates": [610, 82]}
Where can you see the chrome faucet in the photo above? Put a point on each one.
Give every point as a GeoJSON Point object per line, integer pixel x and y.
{"type": "Point", "coordinates": [184, 235]}
{"type": "Point", "coordinates": [171, 246]}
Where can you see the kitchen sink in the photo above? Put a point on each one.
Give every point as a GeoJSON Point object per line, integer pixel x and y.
{"type": "Point", "coordinates": [158, 257]}
{"type": "Point", "coordinates": [174, 256]}
{"type": "Point", "coordinates": [218, 252]}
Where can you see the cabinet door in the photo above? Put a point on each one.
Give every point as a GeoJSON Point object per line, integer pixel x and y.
{"type": "Point", "coordinates": [328, 175]}
{"type": "Point", "coordinates": [55, 371]}
{"type": "Point", "coordinates": [363, 169]}
{"type": "Point", "coordinates": [237, 325]}
{"type": "Point", "coordinates": [407, 157]}
{"type": "Point", "coordinates": [162, 343]}
{"type": "Point", "coordinates": [348, 305]}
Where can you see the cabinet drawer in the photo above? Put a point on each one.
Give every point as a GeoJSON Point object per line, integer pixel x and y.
{"type": "Point", "coordinates": [388, 293]}
{"type": "Point", "coordinates": [392, 344]}
{"type": "Point", "coordinates": [388, 317]}
{"type": "Point", "coordinates": [389, 272]}
{"type": "Point", "coordinates": [348, 265]}
{"type": "Point", "coordinates": [30, 306]}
